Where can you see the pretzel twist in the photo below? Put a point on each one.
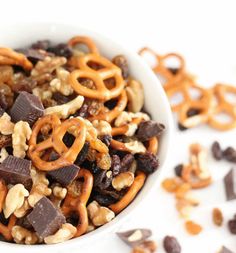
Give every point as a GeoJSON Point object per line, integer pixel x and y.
{"type": "Point", "coordinates": [130, 194]}
{"type": "Point", "coordinates": [55, 141]}
{"type": "Point", "coordinates": [85, 41]}
{"type": "Point", "coordinates": [10, 57]}
{"type": "Point", "coordinates": [6, 230]}
{"type": "Point", "coordinates": [78, 204]}
{"type": "Point", "coordinates": [109, 70]}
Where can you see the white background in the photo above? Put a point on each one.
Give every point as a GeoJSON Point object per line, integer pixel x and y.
{"type": "Point", "coordinates": [204, 32]}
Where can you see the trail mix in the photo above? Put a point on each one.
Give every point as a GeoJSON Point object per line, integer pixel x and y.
{"type": "Point", "coordinates": [194, 104]}
{"type": "Point", "coordinates": [75, 144]}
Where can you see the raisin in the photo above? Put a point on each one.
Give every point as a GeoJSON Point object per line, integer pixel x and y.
{"type": "Point", "coordinates": [106, 139]}
{"type": "Point", "coordinates": [6, 96]}
{"type": "Point", "coordinates": [230, 154]}
{"type": "Point", "coordinates": [147, 162]}
{"type": "Point", "coordinates": [171, 245]}
{"type": "Point", "coordinates": [104, 200]}
{"type": "Point", "coordinates": [61, 49]}
{"type": "Point", "coordinates": [102, 179]}
{"type": "Point", "coordinates": [115, 165]}
{"type": "Point", "coordinates": [149, 129]}
{"type": "Point", "coordinates": [82, 154]}
{"type": "Point", "coordinates": [178, 170]}
{"type": "Point", "coordinates": [83, 111]}
{"type": "Point", "coordinates": [232, 226]}
{"type": "Point", "coordinates": [23, 83]}
{"type": "Point", "coordinates": [216, 150]}
{"type": "Point", "coordinates": [121, 62]}
{"type": "Point", "coordinates": [126, 162]}
{"type": "Point", "coordinates": [5, 141]}
{"type": "Point", "coordinates": [1, 111]}
{"type": "Point", "coordinates": [41, 44]}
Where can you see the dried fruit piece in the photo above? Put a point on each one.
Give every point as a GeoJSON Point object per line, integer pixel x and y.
{"type": "Point", "coordinates": [216, 150]}
{"type": "Point", "coordinates": [147, 162]}
{"type": "Point", "coordinates": [145, 247]}
{"type": "Point", "coordinates": [171, 245]}
{"type": "Point", "coordinates": [171, 184]}
{"type": "Point", "coordinates": [122, 63]}
{"type": "Point", "coordinates": [217, 216]}
{"type": "Point", "coordinates": [193, 228]}
{"type": "Point", "coordinates": [232, 225]}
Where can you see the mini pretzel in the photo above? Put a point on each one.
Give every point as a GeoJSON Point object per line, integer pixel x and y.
{"type": "Point", "coordinates": [3, 193]}
{"type": "Point", "coordinates": [86, 41]}
{"type": "Point", "coordinates": [223, 106]}
{"type": "Point", "coordinates": [130, 194]}
{"type": "Point", "coordinates": [78, 204]}
{"type": "Point", "coordinates": [6, 230]}
{"type": "Point", "coordinates": [161, 69]}
{"type": "Point", "coordinates": [109, 71]}
{"type": "Point", "coordinates": [55, 141]}
{"type": "Point", "coordinates": [153, 145]}
{"type": "Point", "coordinates": [10, 57]}
{"type": "Point", "coordinates": [110, 115]}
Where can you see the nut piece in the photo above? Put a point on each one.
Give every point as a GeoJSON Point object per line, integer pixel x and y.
{"type": "Point", "coordinates": [217, 217]}
{"type": "Point", "coordinates": [43, 92]}
{"type": "Point", "coordinates": [65, 110]}
{"type": "Point", "coordinates": [135, 147]}
{"type": "Point", "coordinates": [145, 247]}
{"type": "Point", "coordinates": [58, 194]}
{"type": "Point", "coordinates": [40, 187]}
{"type": "Point", "coordinates": [123, 180]}
{"type": "Point", "coordinates": [21, 212]}
{"type": "Point", "coordinates": [6, 126]}
{"type": "Point", "coordinates": [99, 215]}
{"type": "Point", "coordinates": [126, 117]}
{"type": "Point", "coordinates": [23, 236]}
{"type": "Point", "coordinates": [102, 127]}
{"type": "Point", "coordinates": [61, 83]}
{"type": "Point", "coordinates": [3, 154]}
{"type": "Point", "coordinates": [21, 134]}
{"type": "Point", "coordinates": [65, 233]}
{"type": "Point", "coordinates": [193, 228]}
{"type": "Point", "coordinates": [14, 199]}
{"type": "Point", "coordinates": [135, 96]}
{"type": "Point", "coordinates": [103, 161]}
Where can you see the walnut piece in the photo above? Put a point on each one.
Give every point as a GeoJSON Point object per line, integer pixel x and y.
{"type": "Point", "coordinates": [99, 215]}
{"type": "Point", "coordinates": [3, 154]}
{"type": "Point", "coordinates": [103, 161]}
{"type": "Point", "coordinates": [43, 92]}
{"type": "Point", "coordinates": [135, 96]}
{"type": "Point", "coordinates": [6, 126]}
{"type": "Point", "coordinates": [102, 127]}
{"type": "Point", "coordinates": [58, 194]}
{"type": "Point", "coordinates": [22, 211]}
{"type": "Point", "coordinates": [14, 199]}
{"type": "Point", "coordinates": [40, 187]}
{"type": "Point", "coordinates": [126, 117]}
{"type": "Point", "coordinates": [65, 233]}
{"type": "Point", "coordinates": [65, 110]}
{"type": "Point", "coordinates": [123, 180]}
{"type": "Point", "coordinates": [23, 236]}
{"type": "Point", "coordinates": [21, 134]}
{"type": "Point", "coordinates": [135, 147]}
{"type": "Point", "coordinates": [61, 83]}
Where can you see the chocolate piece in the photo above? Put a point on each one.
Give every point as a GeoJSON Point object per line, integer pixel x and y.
{"type": "Point", "coordinates": [41, 44]}
{"type": "Point", "coordinates": [225, 250]}
{"type": "Point", "coordinates": [16, 170]}
{"type": "Point", "coordinates": [135, 237]}
{"type": "Point", "coordinates": [230, 184]}
{"type": "Point", "coordinates": [230, 154]}
{"type": "Point", "coordinates": [178, 169]}
{"type": "Point", "coordinates": [1, 111]}
{"type": "Point", "coordinates": [33, 55]}
{"type": "Point", "coordinates": [149, 129]}
{"type": "Point", "coordinates": [171, 245]}
{"type": "Point", "coordinates": [27, 107]}
{"type": "Point", "coordinates": [64, 175]}
{"type": "Point", "coordinates": [82, 154]}
{"type": "Point", "coordinates": [216, 150]}
{"type": "Point", "coordinates": [45, 218]}
{"type": "Point", "coordinates": [232, 226]}
{"type": "Point", "coordinates": [61, 49]}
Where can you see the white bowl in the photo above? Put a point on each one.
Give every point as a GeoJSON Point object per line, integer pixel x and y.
{"type": "Point", "coordinates": [156, 103]}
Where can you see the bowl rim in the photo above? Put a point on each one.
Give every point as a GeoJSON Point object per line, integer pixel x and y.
{"type": "Point", "coordinates": [119, 219]}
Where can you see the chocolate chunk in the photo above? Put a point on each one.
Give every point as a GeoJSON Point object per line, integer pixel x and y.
{"type": "Point", "coordinates": [33, 55]}
{"type": "Point", "coordinates": [230, 184]}
{"type": "Point", "coordinates": [216, 150]}
{"type": "Point", "coordinates": [1, 111]}
{"type": "Point", "coordinates": [27, 107]}
{"type": "Point", "coordinates": [5, 140]}
{"type": "Point", "coordinates": [149, 129]}
{"type": "Point", "coordinates": [135, 237]}
{"type": "Point", "coordinates": [178, 170]}
{"type": "Point", "coordinates": [171, 245]}
{"type": "Point", "coordinates": [45, 218]}
{"type": "Point", "coordinates": [147, 162]}
{"type": "Point", "coordinates": [225, 250]}
{"type": "Point", "coordinates": [61, 49]}
{"type": "Point", "coordinates": [82, 154]}
{"type": "Point", "coordinates": [64, 175]}
{"type": "Point", "coordinates": [230, 154]}
{"type": "Point", "coordinates": [16, 170]}
{"type": "Point", "coordinates": [232, 226]}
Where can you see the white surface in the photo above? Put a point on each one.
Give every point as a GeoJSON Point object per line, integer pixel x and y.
{"type": "Point", "coordinates": [204, 32]}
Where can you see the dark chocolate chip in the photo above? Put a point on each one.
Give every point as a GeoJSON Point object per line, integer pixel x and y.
{"type": "Point", "coordinates": [5, 141]}
{"type": "Point", "coordinates": [115, 165]}
{"type": "Point", "coordinates": [27, 107]}
{"type": "Point", "coordinates": [121, 62]}
{"type": "Point", "coordinates": [61, 49]}
{"type": "Point", "coordinates": [82, 154]}
{"type": "Point", "coordinates": [64, 175]}
{"type": "Point", "coordinates": [148, 129]}
{"type": "Point", "coordinates": [126, 162]}
{"type": "Point", "coordinates": [147, 163]}
{"type": "Point", "coordinates": [141, 233]}
{"type": "Point", "coordinates": [178, 170]}
{"type": "Point", "coordinates": [171, 245]}
{"type": "Point", "coordinates": [216, 150]}
{"type": "Point", "coordinates": [45, 218]}
{"type": "Point", "coordinates": [230, 184]}
{"type": "Point", "coordinates": [41, 44]}
{"type": "Point", "coordinates": [230, 154]}
{"type": "Point", "coordinates": [232, 226]}
{"type": "Point", "coordinates": [16, 170]}
{"type": "Point", "coordinates": [225, 250]}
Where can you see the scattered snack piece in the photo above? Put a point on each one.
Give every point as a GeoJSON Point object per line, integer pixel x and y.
{"type": "Point", "coordinates": [193, 228]}
{"type": "Point", "coordinates": [45, 218]}
{"type": "Point", "coordinates": [225, 250]}
{"type": "Point", "coordinates": [217, 217]}
{"type": "Point", "coordinates": [232, 225]}
{"type": "Point", "coordinates": [135, 237]}
{"type": "Point", "coordinates": [171, 245]}
{"type": "Point", "coordinates": [230, 184]}
{"type": "Point", "coordinates": [216, 150]}
{"type": "Point", "coordinates": [228, 154]}
{"type": "Point", "coordinates": [145, 247]}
